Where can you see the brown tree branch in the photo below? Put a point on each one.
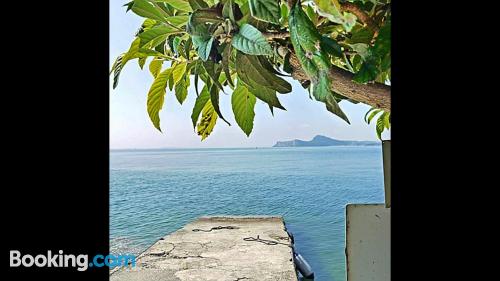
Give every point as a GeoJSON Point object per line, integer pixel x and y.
{"type": "Point", "coordinates": [375, 94]}
{"type": "Point", "coordinates": [276, 35]}
{"type": "Point", "coordinates": [360, 14]}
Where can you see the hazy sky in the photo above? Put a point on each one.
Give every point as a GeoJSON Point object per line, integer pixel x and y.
{"type": "Point", "coordinates": [130, 126]}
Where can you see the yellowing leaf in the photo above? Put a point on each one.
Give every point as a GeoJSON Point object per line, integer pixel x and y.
{"type": "Point", "coordinates": [178, 72]}
{"type": "Point", "coordinates": [155, 67]}
{"type": "Point", "coordinates": [181, 89]}
{"type": "Point", "coordinates": [156, 34]}
{"type": "Point", "coordinates": [156, 97]}
{"type": "Point", "coordinates": [123, 59]}
{"type": "Point", "coordinates": [207, 122]}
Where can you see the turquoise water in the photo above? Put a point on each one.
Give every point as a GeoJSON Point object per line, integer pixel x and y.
{"type": "Point", "coordinates": [156, 192]}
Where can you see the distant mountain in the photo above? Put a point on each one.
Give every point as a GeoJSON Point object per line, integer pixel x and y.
{"type": "Point", "coordinates": [322, 141]}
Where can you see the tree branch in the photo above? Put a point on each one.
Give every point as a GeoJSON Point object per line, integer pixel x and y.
{"type": "Point", "coordinates": [375, 94]}
{"type": "Point", "coordinates": [360, 14]}
{"type": "Point", "coordinates": [276, 35]}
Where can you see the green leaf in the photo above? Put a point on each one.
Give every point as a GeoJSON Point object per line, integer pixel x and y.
{"type": "Point", "coordinates": [287, 67]}
{"type": "Point", "coordinates": [211, 3]}
{"type": "Point", "coordinates": [380, 127]}
{"type": "Point", "coordinates": [204, 45]}
{"type": "Point", "coordinates": [116, 63]}
{"type": "Point", "coordinates": [156, 96]}
{"type": "Point", "coordinates": [333, 107]}
{"type": "Point", "coordinates": [373, 114]}
{"type": "Point", "coordinates": [360, 35]}
{"type": "Point", "coordinates": [331, 10]}
{"type": "Point", "coordinates": [284, 14]}
{"type": "Point", "coordinates": [361, 49]}
{"type": "Point", "coordinates": [148, 23]}
{"type": "Point", "coordinates": [157, 34]}
{"type": "Point", "coordinates": [155, 67]}
{"type": "Point", "coordinates": [243, 103]}
{"type": "Point", "coordinates": [226, 56]}
{"type": "Point", "coordinates": [142, 53]}
{"type": "Point", "coordinates": [171, 82]}
{"type": "Point", "coordinates": [123, 59]}
{"type": "Point", "coordinates": [141, 62]}
{"type": "Point", "coordinates": [196, 78]}
{"type": "Point", "coordinates": [197, 4]}
{"type": "Point", "coordinates": [270, 68]}
{"type": "Point", "coordinates": [313, 16]}
{"type": "Point", "coordinates": [377, 58]}
{"type": "Point", "coordinates": [251, 70]}
{"type": "Point", "coordinates": [132, 51]}
{"type": "Point", "coordinates": [245, 11]}
{"type": "Point", "coordinates": [147, 9]}
{"type": "Point", "coordinates": [187, 47]}
{"type": "Point", "coordinates": [181, 88]}
{"type": "Point", "coordinates": [214, 98]}
{"type": "Point", "coordinates": [227, 10]}
{"type": "Point", "coordinates": [213, 70]}
{"type": "Point", "coordinates": [321, 89]}
{"type": "Point", "coordinates": [207, 122]}
{"type": "Point", "coordinates": [176, 43]}
{"type": "Point", "coordinates": [200, 102]}
{"type": "Point", "coordinates": [178, 21]}
{"type": "Point", "coordinates": [182, 5]}
{"type": "Point", "coordinates": [165, 8]}
{"type": "Point", "coordinates": [271, 108]}
{"type": "Point", "coordinates": [265, 10]}
{"type": "Point", "coordinates": [264, 94]}
{"type": "Point", "coordinates": [205, 16]}
{"type": "Point", "coordinates": [322, 92]}
{"type": "Point", "coordinates": [250, 40]}
{"type": "Point", "coordinates": [117, 69]}
{"type": "Point", "coordinates": [382, 44]}
{"type": "Point", "coordinates": [367, 72]}
{"type": "Point", "coordinates": [368, 112]}
{"type": "Point", "coordinates": [128, 5]}
{"type": "Point", "coordinates": [331, 46]}
{"type": "Point", "coordinates": [387, 120]}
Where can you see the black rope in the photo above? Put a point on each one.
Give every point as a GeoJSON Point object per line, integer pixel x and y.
{"type": "Point", "coordinates": [215, 228]}
{"type": "Point", "coordinates": [264, 241]}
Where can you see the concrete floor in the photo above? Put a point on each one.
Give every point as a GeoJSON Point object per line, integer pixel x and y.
{"type": "Point", "coordinates": [218, 255]}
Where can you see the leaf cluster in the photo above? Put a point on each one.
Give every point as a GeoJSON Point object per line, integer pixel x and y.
{"type": "Point", "coordinates": [233, 47]}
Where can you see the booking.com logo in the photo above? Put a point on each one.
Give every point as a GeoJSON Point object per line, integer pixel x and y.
{"type": "Point", "coordinates": [81, 262]}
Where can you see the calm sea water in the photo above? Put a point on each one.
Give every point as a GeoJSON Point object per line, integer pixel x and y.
{"type": "Point", "coordinates": [156, 192]}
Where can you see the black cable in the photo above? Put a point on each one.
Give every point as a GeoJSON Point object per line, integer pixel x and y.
{"type": "Point", "coordinates": [264, 241]}
{"type": "Point", "coordinates": [215, 228]}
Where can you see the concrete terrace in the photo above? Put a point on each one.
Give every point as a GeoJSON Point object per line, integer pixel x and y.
{"type": "Point", "coordinates": [219, 254]}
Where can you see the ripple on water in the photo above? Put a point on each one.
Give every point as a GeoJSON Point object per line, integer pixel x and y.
{"type": "Point", "coordinates": [153, 193]}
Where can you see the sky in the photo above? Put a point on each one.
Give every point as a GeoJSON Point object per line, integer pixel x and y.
{"type": "Point", "coordinates": [130, 126]}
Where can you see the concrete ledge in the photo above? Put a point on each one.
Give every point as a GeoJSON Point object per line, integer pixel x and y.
{"type": "Point", "coordinates": [218, 254]}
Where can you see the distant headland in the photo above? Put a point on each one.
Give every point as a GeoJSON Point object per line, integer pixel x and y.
{"type": "Point", "coordinates": [323, 141]}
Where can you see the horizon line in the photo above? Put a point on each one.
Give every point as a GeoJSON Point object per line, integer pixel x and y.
{"type": "Point", "coordinates": [224, 147]}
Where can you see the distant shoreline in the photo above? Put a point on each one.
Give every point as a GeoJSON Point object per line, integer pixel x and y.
{"type": "Point", "coordinates": [225, 148]}
{"type": "Point", "coordinates": [320, 140]}
{"type": "Point", "coordinates": [317, 141]}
